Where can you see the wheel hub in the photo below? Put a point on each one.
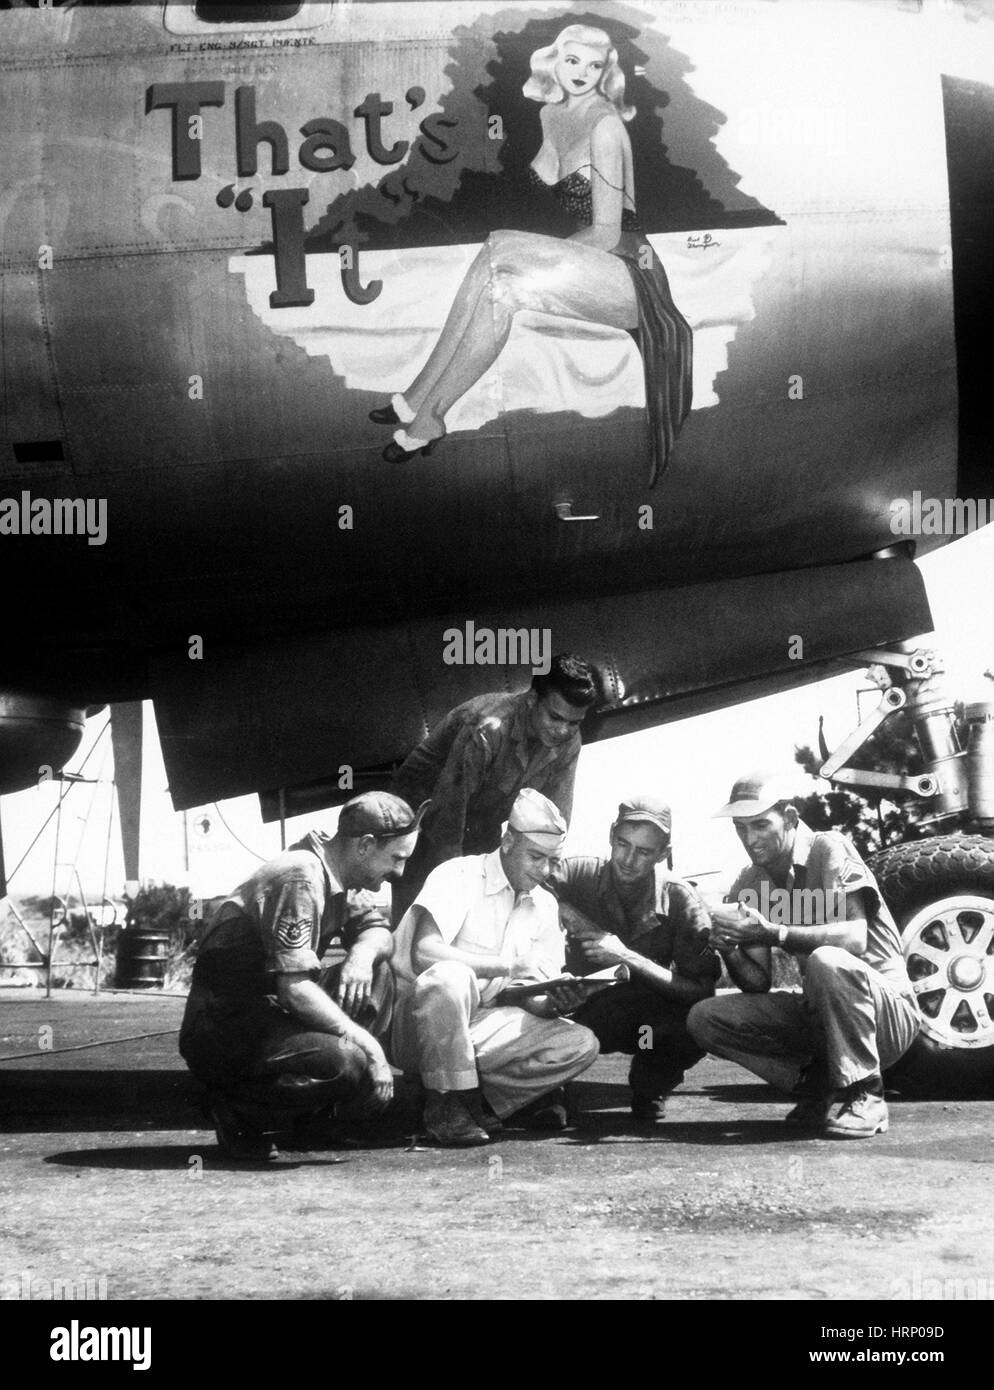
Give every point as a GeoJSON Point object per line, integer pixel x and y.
{"type": "Point", "coordinates": [966, 972]}
{"type": "Point", "coordinates": [949, 949]}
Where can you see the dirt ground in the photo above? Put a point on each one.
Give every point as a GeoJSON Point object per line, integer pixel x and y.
{"type": "Point", "coordinates": [109, 1171]}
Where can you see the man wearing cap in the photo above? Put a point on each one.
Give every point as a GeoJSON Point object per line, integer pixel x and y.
{"type": "Point", "coordinates": [473, 764]}
{"type": "Point", "coordinates": [810, 894]}
{"type": "Point", "coordinates": [271, 1038]}
{"type": "Point", "coordinates": [627, 910]}
{"type": "Point", "coordinates": [480, 923]}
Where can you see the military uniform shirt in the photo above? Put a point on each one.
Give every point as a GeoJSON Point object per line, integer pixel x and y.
{"type": "Point", "coordinates": [667, 923]}
{"type": "Point", "coordinates": [828, 861]}
{"type": "Point", "coordinates": [473, 764]}
{"type": "Point", "coordinates": [283, 918]}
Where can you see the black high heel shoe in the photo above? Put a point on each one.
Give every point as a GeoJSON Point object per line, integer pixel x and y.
{"type": "Point", "coordinates": [385, 415]}
{"type": "Point", "coordinates": [395, 453]}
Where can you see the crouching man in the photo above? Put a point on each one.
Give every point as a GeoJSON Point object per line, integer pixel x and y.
{"type": "Point", "coordinates": [627, 910]}
{"type": "Point", "coordinates": [856, 1014]}
{"type": "Point", "coordinates": [480, 923]}
{"type": "Point", "coordinates": [272, 1039]}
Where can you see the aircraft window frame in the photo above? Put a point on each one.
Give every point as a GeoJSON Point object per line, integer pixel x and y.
{"type": "Point", "coordinates": [180, 17]}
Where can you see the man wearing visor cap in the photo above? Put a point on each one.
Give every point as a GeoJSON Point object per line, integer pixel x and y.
{"type": "Point", "coordinates": [272, 1038]}
{"type": "Point", "coordinates": [480, 923]}
{"type": "Point", "coordinates": [810, 894]}
{"type": "Point", "coordinates": [627, 910]}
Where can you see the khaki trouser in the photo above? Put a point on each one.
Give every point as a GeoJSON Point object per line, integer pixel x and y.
{"type": "Point", "coordinates": [848, 1013]}
{"type": "Point", "coordinates": [440, 1030]}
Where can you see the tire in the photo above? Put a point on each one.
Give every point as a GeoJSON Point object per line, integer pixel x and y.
{"type": "Point", "coordinates": [941, 892]}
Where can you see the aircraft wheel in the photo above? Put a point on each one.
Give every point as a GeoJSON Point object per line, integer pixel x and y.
{"type": "Point", "coordinates": [941, 891]}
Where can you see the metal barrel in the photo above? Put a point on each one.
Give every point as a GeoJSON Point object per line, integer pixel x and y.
{"type": "Point", "coordinates": [142, 958]}
{"type": "Point", "coordinates": [980, 762]}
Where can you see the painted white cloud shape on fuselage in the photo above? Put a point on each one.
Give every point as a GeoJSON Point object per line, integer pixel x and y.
{"type": "Point", "coordinates": [549, 363]}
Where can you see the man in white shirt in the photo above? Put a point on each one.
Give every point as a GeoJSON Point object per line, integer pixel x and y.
{"type": "Point", "coordinates": [480, 923]}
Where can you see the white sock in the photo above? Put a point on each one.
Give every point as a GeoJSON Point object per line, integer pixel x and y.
{"type": "Point", "coordinates": [408, 441]}
{"type": "Point", "coordinates": [402, 409]}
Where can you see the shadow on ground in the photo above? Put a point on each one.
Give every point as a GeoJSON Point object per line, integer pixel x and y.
{"type": "Point", "coordinates": [73, 1101]}
{"type": "Point", "coordinates": [179, 1157]}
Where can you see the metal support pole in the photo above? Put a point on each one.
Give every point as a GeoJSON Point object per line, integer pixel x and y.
{"type": "Point", "coordinates": [55, 874]}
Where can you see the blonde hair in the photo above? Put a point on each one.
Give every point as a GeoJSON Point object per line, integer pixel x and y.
{"type": "Point", "coordinates": [544, 86]}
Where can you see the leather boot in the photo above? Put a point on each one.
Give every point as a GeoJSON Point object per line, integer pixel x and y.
{"type": "Point", "coordinates": [449, 1122]}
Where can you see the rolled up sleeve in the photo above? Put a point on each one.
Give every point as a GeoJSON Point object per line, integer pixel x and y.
{"type": "Point", "coordinates": [291, 923]}
{"type": "Point", "coordinates": [446, 897]}
{"type": "Point", "coordinates": [693, 955]}
{"type": "Point", "coordinates": [361, 913]}
{"type": "Point", "coordinates": [836, 868]}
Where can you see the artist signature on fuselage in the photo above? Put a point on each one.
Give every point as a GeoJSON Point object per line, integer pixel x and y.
{"type": "Point", "coordinates": [701, 243]}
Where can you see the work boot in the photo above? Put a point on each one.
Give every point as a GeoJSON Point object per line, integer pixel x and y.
{"type": "Point", "coordinates": [649, 1110]}
{"type": "Point", "coordinates": [449, 1122]}
{"type": "Point", "coordinates": [236, 1137]}
{"type": "Point", "coordinates": [811, 1112]}
{"type": "Point", "coordinates": [482, 1112]}
{"type": "Point", "coordinates": [548, 1112]}
{"type": "Point", "coordinates": [815, 1098]}
{"type": "Point", "coordinates": [863, 1112]}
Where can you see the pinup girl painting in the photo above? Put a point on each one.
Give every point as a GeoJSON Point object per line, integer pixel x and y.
{"type": "Point", "coordinates": [604, 273]}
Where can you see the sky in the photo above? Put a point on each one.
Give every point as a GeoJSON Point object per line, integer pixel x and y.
{"type": "Point", "coordinates": [691, 762]}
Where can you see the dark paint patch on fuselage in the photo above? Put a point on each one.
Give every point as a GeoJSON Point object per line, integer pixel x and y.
{"type": "Point", "coordinates": [451, 193]}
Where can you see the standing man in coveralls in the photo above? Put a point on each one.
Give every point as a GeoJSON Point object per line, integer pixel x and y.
{"type": "Point", "coordinates": [473, 764]}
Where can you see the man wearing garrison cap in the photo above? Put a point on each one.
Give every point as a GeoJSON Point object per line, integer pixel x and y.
{"type": "Point", "coordinates": [810, 894]}
{"type": "Point", "coordinates": [272, 1038]}
{"type": "Point", "coordinates": [627, 910]}
{"type": "Point", "coordinates": [480, 923]}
